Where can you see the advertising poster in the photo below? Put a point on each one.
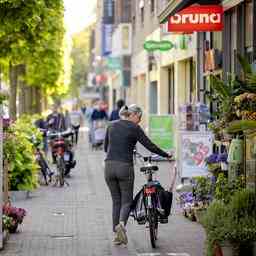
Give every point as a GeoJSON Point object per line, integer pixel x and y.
{"type": "Point", "coordinates": [194, 148]}
{"type": "Point", "coordinates": [161, 131]}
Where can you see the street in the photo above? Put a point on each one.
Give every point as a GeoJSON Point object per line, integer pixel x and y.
{"type": "Point", "coordinates": [76, 220]}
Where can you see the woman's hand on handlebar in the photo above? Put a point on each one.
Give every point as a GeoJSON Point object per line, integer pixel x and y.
{"type": "Point", "coordinates": [170, 158]}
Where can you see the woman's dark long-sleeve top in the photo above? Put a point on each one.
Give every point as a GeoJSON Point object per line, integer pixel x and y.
{"type": "Point", "coordinates": [121, 138]}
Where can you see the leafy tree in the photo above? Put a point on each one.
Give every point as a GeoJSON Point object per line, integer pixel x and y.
{"type": "Point", "coordinates": [80, 59]}
{"type": "Point", "coordinates": [32, 35]}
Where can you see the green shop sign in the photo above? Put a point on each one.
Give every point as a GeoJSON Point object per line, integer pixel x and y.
{"type": "Point", "coordinates": [161, 131]}
{"type": "Point", "coordinates": [114, 63]}
{"type": "Point", "coordinates": [152, 45]}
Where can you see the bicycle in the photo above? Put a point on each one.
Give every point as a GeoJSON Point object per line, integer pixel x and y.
{"type": "Point", "coordinates": [150, 199]}
{"type": "Point", "coordinates": [152, 193]}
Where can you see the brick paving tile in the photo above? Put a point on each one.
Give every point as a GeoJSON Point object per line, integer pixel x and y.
{"type": "Point", "coordinates": [84, 227]}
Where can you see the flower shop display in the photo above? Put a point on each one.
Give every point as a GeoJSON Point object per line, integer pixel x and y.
{"type": "Point", "coordinates": [194, 203]}
{"type": "Point", "coordinates": [12, 217]}
{"type": "Point", "coordinates": [232, 223]}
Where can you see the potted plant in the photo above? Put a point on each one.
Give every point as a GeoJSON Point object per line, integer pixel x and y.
{"type": "Point", "coordinates": [216, 226]}
{"type": "Point", "coordinates": [243, 218]}
{"type": "Point", "coordinates": [16, 216]}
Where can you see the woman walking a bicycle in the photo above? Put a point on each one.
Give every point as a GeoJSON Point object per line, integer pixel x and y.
{"type": "Point", "coordinates": [121, 138]}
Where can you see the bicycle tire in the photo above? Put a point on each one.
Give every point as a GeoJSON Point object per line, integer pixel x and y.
{"type": "Point", "coordinates": [61, 171]}
{"type": "Point", "coordinates": [153, 226]}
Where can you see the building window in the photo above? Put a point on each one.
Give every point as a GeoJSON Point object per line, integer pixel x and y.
{"type": "Point", "coordinates": [125, 37]}
{"type": "Point", "coordinates": [248, 31]}
{"type": "Point", "coordinates": [152, 6]}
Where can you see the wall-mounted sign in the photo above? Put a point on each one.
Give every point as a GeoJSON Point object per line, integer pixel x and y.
{"type": "Point", "coordinates": [197, 18]}
{"type": "Point", "coordinates": [152, 45]}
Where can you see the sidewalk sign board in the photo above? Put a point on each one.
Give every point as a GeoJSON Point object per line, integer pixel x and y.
{"type": "Point", "coordinates": [194, 147]}
{"type": "Point", "coordinates": [161, 131]}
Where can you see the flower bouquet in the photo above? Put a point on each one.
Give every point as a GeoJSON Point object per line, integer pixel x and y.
{"type": "Point", "coordinates": [15, 216]}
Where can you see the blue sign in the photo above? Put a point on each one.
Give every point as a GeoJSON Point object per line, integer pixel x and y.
{"type": "Point", "coordinates": [107, 30]}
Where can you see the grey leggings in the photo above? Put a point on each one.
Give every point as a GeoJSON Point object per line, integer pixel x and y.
{"type": "Point", "coordinates": [119, 177]}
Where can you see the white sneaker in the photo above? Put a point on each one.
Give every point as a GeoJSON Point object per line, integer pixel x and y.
{"type": "Point", "coordinates": [116, 240]}
{"type": "Point", "coordinates": [121, 233]}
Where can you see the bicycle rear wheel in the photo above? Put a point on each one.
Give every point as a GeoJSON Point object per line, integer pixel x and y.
{"type": "Point", "coordinates": [153, 226]}
{"type": "Point", "coordinates": [61, 171]}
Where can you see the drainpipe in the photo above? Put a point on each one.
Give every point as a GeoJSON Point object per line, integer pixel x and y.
{"type": "Point", "coordinates": [199, 63]}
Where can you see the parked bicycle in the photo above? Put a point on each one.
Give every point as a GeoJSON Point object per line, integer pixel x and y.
{"type": "Point", "coordinates": [42, 162]}
{"type": "Point", "coordinates": [62, 152]}
{"type": "Point", "coordinates": [152, 204]}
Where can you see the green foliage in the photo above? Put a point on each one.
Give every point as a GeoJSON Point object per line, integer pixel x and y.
{"type": "Point", "coordinates": [234, 221]}
{"type": "Point", "coordinates": [19, 152]}
{"type": "Point", "coordinates": [80, 58]}
{"type": "Point", "coordinates": [224, 189]}
{"type": "Point", "coordinates": [203, 187]}
{"type": "Point", "coordinates": [240, 125]}
{"type": "Point", "coordinates": [214, 222]}
{"type": "Point", "coordinates": [32, 33]}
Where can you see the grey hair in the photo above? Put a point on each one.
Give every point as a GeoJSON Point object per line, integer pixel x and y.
{"type": "Point", "coordinates": [127, 111]}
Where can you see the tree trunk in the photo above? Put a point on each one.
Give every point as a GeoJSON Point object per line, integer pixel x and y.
{"type": "Point", "coordinates": [13, 76]}
{"type": "Point", "coordinates": [22, 92]}
{"type": "Point", "coordinates": [38, 99]}
{"type": "Point", "coordinates": [29, 99]}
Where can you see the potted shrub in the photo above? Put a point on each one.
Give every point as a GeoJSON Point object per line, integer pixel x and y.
{"type": "Point", "coordinates": [243, 218]}
{"type": "Point", "coordinates": [216, 224]}
{"type": "Point", "coordinates": [15, 216]}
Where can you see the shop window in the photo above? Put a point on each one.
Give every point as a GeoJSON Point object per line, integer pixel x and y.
{"type": "Point", "coordinates": [248, 30]}
{"type": "Point", "coordinates": [213, 56]}
{"type": "Point", "coordinates": [153, 102]}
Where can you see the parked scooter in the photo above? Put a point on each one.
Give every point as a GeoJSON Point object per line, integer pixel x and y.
{"type": "Point", "coordinates": [62, 152]}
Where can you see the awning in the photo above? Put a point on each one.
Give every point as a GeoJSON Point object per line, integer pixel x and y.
{"type": "Point", "coordinates": [176, 6]}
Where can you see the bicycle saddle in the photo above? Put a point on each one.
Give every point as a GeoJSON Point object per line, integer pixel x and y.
{"type": "Point", "coordinates": [149, 168]}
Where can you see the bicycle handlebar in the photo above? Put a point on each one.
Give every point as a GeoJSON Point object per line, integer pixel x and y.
{"type": "Point", "coordinates": [66, 133]}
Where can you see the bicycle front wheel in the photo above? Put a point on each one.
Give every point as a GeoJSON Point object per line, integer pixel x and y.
{"type": "Point", "coordinates": [153, 226]}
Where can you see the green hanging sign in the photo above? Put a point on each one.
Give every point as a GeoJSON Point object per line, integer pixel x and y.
{"type": "Point", "coordinates": [114, 63]}
{"type": "Point", "coordinates": [152, 45]}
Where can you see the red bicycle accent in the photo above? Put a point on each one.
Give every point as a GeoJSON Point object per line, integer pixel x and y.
{"type": "Point", "coordinates": [149, 191]}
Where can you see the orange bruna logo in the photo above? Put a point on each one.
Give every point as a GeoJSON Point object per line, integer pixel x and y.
{"type": "Point", "coordinates": [197, 18]}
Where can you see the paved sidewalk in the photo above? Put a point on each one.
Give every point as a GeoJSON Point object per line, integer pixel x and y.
{"type": "Point", "coordinates": [76, 220]}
